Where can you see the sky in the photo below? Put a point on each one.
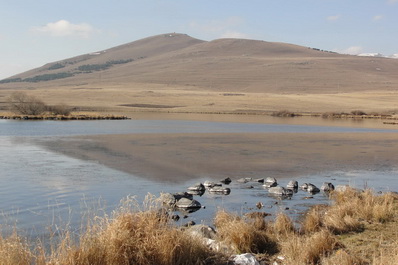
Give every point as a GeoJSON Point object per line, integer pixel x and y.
{"type": "Point", "coordinates": [33, 33]}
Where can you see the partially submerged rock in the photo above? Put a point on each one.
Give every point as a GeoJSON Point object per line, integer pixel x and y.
{"type": "Point", "coordinates": [220, 190]}
{"type": "Point", "coordinates": [327, 186]}
{"type": "Point", "coordinates": [280, 191]}
{"type": "Point", "coordinates": [293, 184]}
{"type": "Point", "coordinates": [197, 187]}
{"type": "Point", "coordinates": [311, 188]}
{"type": "Point", "coordinates": [209, 184]}
{"type": "Point", "coordinates": [226, 181]}
{"type": "Point", "coordinates": [270, 182]}
{"type": "Point", "coordinates": [244, 180]}
{"type": "Point", "coordinates": [186, 203]}
{"type": "Point", "coordinates": [304, 186]}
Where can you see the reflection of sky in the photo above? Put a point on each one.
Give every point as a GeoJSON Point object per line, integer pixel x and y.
{"type": "Point", "coordinates": [57, 128]}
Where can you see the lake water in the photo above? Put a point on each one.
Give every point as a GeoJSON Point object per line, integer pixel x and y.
{"type": "Point", "coordinates": [40, 189]}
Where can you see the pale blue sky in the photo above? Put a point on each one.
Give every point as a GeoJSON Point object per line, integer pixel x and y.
{"type": "Point", "coordinates": [33, 33]}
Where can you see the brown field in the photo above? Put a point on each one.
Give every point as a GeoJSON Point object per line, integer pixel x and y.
{"type": "Point", "coordinates": [177, 73]}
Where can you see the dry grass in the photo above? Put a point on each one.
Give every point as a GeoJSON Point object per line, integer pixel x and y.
{"type": "Point", "coordinates": [350, 208]}
{"type": "Point", "coordinates": [342, 257]}
{"type": "Point", "coordinates": [309, 249]}
{"type": "Point", "coordinates": [136, 234]}
{"type": "Point", "coordinates": [14, 250]}
{"type": "Point", "coordinates": [130, 236]}
{"type": "Point", "coordinates": [283, 226]}
{"type": "Point", "coordinates": [244, 235]}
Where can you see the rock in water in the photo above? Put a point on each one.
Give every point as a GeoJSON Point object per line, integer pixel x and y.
{"type": "Point", "coordinates": [270, 182]}
{"type": "Point", "coordinates": [220, 190]}
{"type": "Point", "coordinates": [312, 188]}
{"type": "Point", "coordinates": [226, 181]}
{"type": "Point", "coordinates": [197, 187]}
{"type": "Point", "coordinates": [188, 204]}
{"type": "Point", "coordinates": [327, 186]}
{"type": "Point", "coordinates": [292, 184]}
{"type": "Point", "coordinates": [280, 191]}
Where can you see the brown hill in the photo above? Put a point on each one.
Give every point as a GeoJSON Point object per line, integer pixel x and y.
{"type": "Point", "coordinates": [177, 61]}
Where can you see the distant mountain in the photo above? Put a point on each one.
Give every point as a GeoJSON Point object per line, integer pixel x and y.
{"type": "Point", "coordinates": [178, 60]}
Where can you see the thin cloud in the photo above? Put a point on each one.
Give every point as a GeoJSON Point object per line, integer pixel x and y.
{"type": "Point", "coordinates": [221, 28]}
{"type": "Point", "coordinates": [392, 1]}
{"type": "Point", "coordinates": [353, 50]}
{"type": "Point", "coordinates": [64, 28]}
{"type": "Point", "coordinates": [235, 35]}
{"type": "Point", "coordinates": [333, 18]}
{"type": "Point", "coordinates": [377, 18]}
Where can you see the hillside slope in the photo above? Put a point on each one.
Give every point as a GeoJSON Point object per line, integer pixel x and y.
{"type": "Point", "coordinates": [177, 73]}
{"type": "Point", "coordinates": [220, 65]}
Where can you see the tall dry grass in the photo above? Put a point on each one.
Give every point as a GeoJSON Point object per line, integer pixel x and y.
{"type": "Point", "coordinates": [244, 235]}
{"type": "Point", "coordinates": [14, 250]}
{"type": "Point", "coordinates": [308, 249]}
{"type": "Point", "coordinates": [349, 209]}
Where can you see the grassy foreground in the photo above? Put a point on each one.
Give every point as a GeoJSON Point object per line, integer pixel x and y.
{"type": "Point", "coordinates": [359, 228]}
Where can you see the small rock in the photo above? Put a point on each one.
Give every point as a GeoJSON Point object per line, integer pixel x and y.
{"type": "Point", "coordinates": [226, 181]}
{"type": "Point", "coordinates": [175, 217]}
{"type": "Point", "coordinates": [259, 205]}
{"type": "Point", "coordinates": [197, 187]}
{"type": "Point", "coordinates": [244, 180]}
{"type": "Point", "coordinates": [245, 259]}
{"type": "Point", "coordinates": [259, 180]}
{"type": "Point", "coordinates": [190, 223]}
{"type": "Point", "coordinates": [220, 190]}
{"type": "Point", "coordinates": [210, 184]}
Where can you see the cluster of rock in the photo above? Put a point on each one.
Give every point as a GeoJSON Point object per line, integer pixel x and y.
{"type": "Point", "coordinates": [184, 201]}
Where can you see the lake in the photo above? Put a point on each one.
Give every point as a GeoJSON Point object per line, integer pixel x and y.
{"type": "Point", "coordinates": [41, 189]}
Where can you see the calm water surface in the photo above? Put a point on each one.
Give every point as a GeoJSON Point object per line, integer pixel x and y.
{"type": "Point", "coordinates": [40, 189]}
